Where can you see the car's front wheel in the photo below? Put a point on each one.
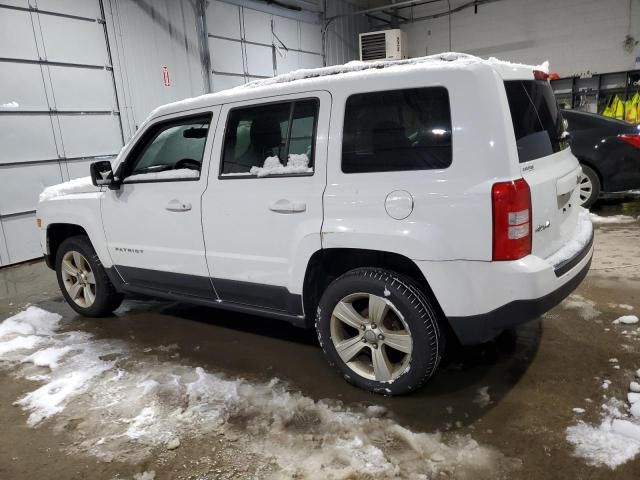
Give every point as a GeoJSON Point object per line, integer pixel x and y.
{"type": "Point", "coordinates": [380, 331]}
{"type": "Point", "coordinates": [83, 280]}
{"type": "Point", "coordinates": [589, 186]}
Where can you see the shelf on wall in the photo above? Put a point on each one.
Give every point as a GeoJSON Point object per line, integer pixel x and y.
{"type": "Point", "coordinates": [600, 85]}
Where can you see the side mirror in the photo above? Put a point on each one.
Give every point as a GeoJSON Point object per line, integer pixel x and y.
{"type": "Point", "coordinates": [101, 173]}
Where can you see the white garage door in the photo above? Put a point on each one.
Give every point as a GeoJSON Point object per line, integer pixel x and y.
{"type": "Point", "coordinates": [58, 108]}
{"type": "Point", "coordinates": [247, 44]}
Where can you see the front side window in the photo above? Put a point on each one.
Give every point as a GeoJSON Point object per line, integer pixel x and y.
{"type": "Point", "coordinates": [273, 139]}
{"type": "Point", "coordinates": [170, 151]}
{"type": "Point", "coordinates": [397, 130]}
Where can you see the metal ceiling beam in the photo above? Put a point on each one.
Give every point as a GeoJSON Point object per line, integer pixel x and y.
{"type": "Point", "coordinates": [380, 19]}
{"type": "Point", "coordinates": [396, 15]}
{"type": "Point", "coordinates": [404, 4]}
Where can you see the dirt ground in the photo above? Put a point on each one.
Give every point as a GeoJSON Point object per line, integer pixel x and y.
{"type": "Point", "coordinates": [535, 376]}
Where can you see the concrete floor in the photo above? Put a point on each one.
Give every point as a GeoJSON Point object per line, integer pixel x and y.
{"type": "Point", "coordinates": [535, 376]}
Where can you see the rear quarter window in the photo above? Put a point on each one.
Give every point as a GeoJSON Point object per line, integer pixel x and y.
{"type": "Point", "coordinates": [537, 122]}
{"type": "Point", "coordinates": [397, 130]}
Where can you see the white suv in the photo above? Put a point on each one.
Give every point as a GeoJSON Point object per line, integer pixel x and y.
{"type": "Point", "coordinates": [388, 203]}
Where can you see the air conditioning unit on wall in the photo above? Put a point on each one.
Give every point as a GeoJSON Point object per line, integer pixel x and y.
{"type": "Point", "coordinates": [383, 45]}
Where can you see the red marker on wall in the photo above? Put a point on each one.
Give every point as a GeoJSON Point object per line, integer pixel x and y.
{"type": "Point", "coordinates": [165, 76]}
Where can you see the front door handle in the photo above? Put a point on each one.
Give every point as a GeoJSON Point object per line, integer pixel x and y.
{"type": "Point", "coordinates": [178, 206]}
{"type": "Point", "coordinates": [287, 206]}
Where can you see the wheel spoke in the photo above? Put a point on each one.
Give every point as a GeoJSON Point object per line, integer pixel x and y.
{"type": "Point", "coordinates": [74, 290]}
{"type": "Point", "coordinates": [89, 297]}
{"type": "Point", "coordinates": [346, 313]}
{"type": "Point", "coordinates": [91, 278]}
{"type": "Point", "coordinates": [398, 341]}
{"type": "Point", "coordinates": [349, 348]}
{"type": "Point", "coordinates": [381, 366]}
{"type": "Point", "coordinates": [68, 268]}
{"type": "Point", "coordinates": [77, 259]}
{"type": "Point", "coordinates": [378, 309]}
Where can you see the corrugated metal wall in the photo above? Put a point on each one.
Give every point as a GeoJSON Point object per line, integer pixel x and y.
{"type": "Point", "coordinates": [244, 41]}
{"type": "Point", "coordinates": [145, 36]}
{"type": "Point", "coordinates": [342, 35]}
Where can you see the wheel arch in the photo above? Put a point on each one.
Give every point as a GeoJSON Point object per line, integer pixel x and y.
{"type": "Point", "coordinates": [56, 234]}
{"type": "Point", "coordinates": [327, 264]}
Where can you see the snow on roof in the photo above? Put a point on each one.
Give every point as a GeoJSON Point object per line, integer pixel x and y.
{"type": "Point", "coordinates": [313, 76]}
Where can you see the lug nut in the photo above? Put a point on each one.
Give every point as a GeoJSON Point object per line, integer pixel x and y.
{"type": "Point", "coordinates": [374, 345]}
{"type": "Point", "coordinates": [373, 325]}
{"type": "Point", "coordinates": [364, 340]}
{"type": "Point", "coordinates": [380, 337]}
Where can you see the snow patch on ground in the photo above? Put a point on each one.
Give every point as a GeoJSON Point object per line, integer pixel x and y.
{"type": "Point", "coordinates": [77, 185]}
{"type": "Point", "coordinates": [581, 237]}
{"type": "Point", "coordinates": [482, 398]}
{"type": "Point", "coordinates": [12, 104]}
{"type": "Point", "coordinates": [627, 319]}
{"type": "Point", "coordinates": [616, 440]}
{"type": "Point", "coordinates": [602, 444]}
{"type": "Point", "coordinates": [586, 308]}
{"type": "Point", "coordinates": [598, 220]}
{"type": "Point", "coordinates": [121, 404]}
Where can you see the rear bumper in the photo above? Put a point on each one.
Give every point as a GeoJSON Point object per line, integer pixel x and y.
{"type": "Point", "coordinates": [481, 328]}
{"type": "Point", "coordinates": [507, 293]}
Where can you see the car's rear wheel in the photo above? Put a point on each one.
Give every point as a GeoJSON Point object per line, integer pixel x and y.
{"type": "Point", "coordinates": [589, 186]}
{"type": "Point", "coordinates": [380, 331]}
{"type": "Point", "coordinates": [83, 280]}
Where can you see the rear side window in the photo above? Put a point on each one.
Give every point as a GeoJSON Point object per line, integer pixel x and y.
{"type": "Point", "coordinates": [536, 118]}
{"type": "Point", "coordinates": [397, 130]}
{"type": "Point", "coordinates": [272, 139]}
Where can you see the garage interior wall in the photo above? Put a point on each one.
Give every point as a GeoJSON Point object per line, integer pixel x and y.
{"type": "Point", "coordinates": [58, 108]}
{"type": "Point", "coordinates": [78, 77]}
{"type": "Point", "coordinates": [342, 35]}
{"type": "Point", "coordinates": [576, 36]}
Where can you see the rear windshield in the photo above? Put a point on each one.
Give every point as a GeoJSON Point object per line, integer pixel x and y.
{"type": "Point", "coordinates": [537, 122]}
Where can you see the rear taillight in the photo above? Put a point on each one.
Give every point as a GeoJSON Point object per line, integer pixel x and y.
{"type": "Point", "coordinates": [511, 203]}
{"type": "Point", "coordinates": [631, 138]}
{"type": "Point", "coordinates": [540, 75]}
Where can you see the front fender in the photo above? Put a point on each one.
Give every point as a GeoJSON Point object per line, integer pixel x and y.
{"type": "Point", "coordinates": [81, 209]}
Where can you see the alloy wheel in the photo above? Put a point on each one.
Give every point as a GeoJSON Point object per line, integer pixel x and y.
{"type": "Point", "coordinates": [371, 336]}
{"type": "Point", "coordinates": [78, 279]}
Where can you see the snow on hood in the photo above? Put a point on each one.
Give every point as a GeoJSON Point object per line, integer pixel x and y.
{"type": "Point", "coordinates": [77, 185]}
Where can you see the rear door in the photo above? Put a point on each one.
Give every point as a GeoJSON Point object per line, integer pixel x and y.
{"type": "Point", "coordinates": [547, 164]}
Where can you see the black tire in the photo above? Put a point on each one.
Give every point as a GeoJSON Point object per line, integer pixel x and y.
{"type": "Point", "coordinates": [107, 299]}
{"type": "Point", "coordinates": [419, 316]}
{"type": "Point", "coordinates": [589, 196]}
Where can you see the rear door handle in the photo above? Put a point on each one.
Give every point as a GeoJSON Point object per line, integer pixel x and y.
{"type": "Point", "coordinates": [287, 206]}
{"type": "Point", "coordinates": [178, 206]}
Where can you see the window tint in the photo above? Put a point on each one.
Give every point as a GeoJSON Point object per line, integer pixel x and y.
{"type": "Point", "coordinates": [171, 150]}
{"type": "Point", "coordinates": [536, 118]}
{"type": "Point", "coordinates": [273, 139]}
{"type": "Point", "coordinates": [397, 130]}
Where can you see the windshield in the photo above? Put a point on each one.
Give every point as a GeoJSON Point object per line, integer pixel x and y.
{"type": "Point", "coordinates": [537, 122]}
